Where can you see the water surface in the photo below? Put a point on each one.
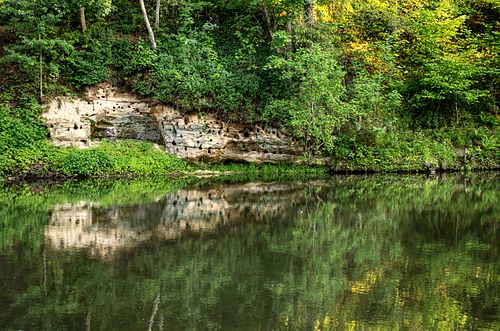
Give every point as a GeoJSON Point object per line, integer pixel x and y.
{"type": "Point", "coordinates": [349, 252]}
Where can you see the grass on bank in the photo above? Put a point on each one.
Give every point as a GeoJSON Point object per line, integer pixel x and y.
{"type": "Point", "coordinates": [121, 158]}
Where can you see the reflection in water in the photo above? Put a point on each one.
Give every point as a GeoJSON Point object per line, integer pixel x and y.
{"type": "Point", "coordinates": [346, 253]}
{"type": "Point", "coordinates": [106, 230]}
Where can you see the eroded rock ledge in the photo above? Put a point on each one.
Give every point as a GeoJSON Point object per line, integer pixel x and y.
{"type": "Point", "coordinates": [105, 112]}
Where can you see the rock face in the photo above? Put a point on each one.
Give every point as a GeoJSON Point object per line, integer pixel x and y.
{"type": "Point", "coordinates": [107, 113]}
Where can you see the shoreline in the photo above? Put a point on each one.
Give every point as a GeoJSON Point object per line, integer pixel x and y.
{"type": "Point", "coordinates": [253, 172]}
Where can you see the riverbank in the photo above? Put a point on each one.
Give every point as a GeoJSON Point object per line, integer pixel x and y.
{"type": "Point", "coordinates": [448, 149]}
{"type": "Point", "coordinates": [122, 159]}
{"type": "Point", "coordinates": [126, 159]}
{"type": "Point", "coordinates": [27, 154]}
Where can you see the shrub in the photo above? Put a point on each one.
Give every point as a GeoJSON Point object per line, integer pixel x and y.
{"type": "Point", "coordinates": [84, 163]}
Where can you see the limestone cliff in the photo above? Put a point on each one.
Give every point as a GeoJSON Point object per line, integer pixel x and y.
{"type": "Point", "coordinates": [105, 112]}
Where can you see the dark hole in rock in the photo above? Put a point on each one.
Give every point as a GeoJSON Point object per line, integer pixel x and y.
{"type": "Point", "coordinates": [88, 102]}
{"type": "Point", "coordinates": [227, 129]}
{"type": "Point", "coordinates": [174, 143]}
{"type": "Point", "coordinates": [241, 131]}
{"type": "Point", "coordinates": [177, 149]}
{"type": "Point", "coordinates": [75, 127]}
{"type": "Point", "coordinates": [210, 140]}
{"type": "Point", "coordinates": [200, 147]}
{"type": "Point", "coordinates": [197, 142]}
{"type": "Point", "coordinates": [219, 132]}
{"type": "Point", "coordinates": [174, 202]}
{"type": "Point", "coordinates": [103, 97]}
{"type": "Point", "coordinates": [68, 129]}
{"type": "Point", "coordinates": [209, 151]}
{"type": "Point", "coordinates": [185, 148]}
{"type": "Point", "coordinates": [210, 195]}
{"type": "Point", "coordinates": [52, 125]}
{"type": "Point", "coordinates": [113, 107]}
{"type": "Point", "coordinates": [246, 134]}
{"type": "Point", "coordinates": [274, 132]}
{"type": "Point", "coordinates": [258, 131]}
{"type": "Point", "coordinates": [81, 127]}
{"type": "Point", "coordinates": [83, 141]}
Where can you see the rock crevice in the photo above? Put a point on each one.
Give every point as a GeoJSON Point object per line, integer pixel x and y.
{"type": "Point", "coordinates": [105, 112]}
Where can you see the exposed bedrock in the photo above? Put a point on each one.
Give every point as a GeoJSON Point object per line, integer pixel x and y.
{"type": "Point", "coordinates": [105, 112]}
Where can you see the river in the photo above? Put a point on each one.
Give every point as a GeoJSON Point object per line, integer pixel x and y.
{"type": "Point", "coordinates": [342, 253]}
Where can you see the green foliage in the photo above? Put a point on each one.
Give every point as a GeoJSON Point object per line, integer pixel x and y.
{"type": "Point", "coordinates": [20, 130]}
{"type": "Point", "coordinates": [139, 158]}
{"type": "Point", "coordinates": [89, 66]}
{"type": "Point", "coordinates": [363, 71]}
{"type": "Point", "coordinates": [142, 59]}
{"type": "Point", "coordinates": [424, 150]}
{"type": "Point", "coordinates": [189, 72]}
{"type": "Point", "coordinates": [84, 163]}
{"type": "Point", "coordinates": [317, 105]}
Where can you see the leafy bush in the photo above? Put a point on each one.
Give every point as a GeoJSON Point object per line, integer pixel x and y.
{"type": "Point", "coordinates": [317, 104]}
{"type": "Point", "coordinates": [84, 163]}
{"type": "Point", "coordinates": [20, 128]}
{"type": "Point", "coordinates": [188, 71]}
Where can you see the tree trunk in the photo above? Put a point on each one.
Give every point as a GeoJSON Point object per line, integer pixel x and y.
{"type": "Point", "coordinates": [309, 12]}
{"type": "Point", "coordinates": [267, 22]}
{"type": "Point", "coordinates": [290, 43]}
{"type": "Point", "coordinates": [83, 22]}
{"type": "Point", "coordinates": [157, 15]}
{"type": "Point", "coordinates": [40, 73]}
{"type": "Point", "coordinates": [148, 25]}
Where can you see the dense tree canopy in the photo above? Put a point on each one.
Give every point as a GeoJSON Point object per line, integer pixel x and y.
{"type": "Point", "coordinates": [336, 73]}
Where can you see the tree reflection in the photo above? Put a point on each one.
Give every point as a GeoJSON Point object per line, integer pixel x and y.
{"type": "Point", "coordinates": [349, 252]}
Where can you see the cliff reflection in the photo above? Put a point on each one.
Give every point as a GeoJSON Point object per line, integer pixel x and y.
{"type": "Point", "coordinates": [105, 231]}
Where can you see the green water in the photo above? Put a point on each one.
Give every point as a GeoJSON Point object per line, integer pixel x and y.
{"type": "Point", "coordinates": [344, 253]}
